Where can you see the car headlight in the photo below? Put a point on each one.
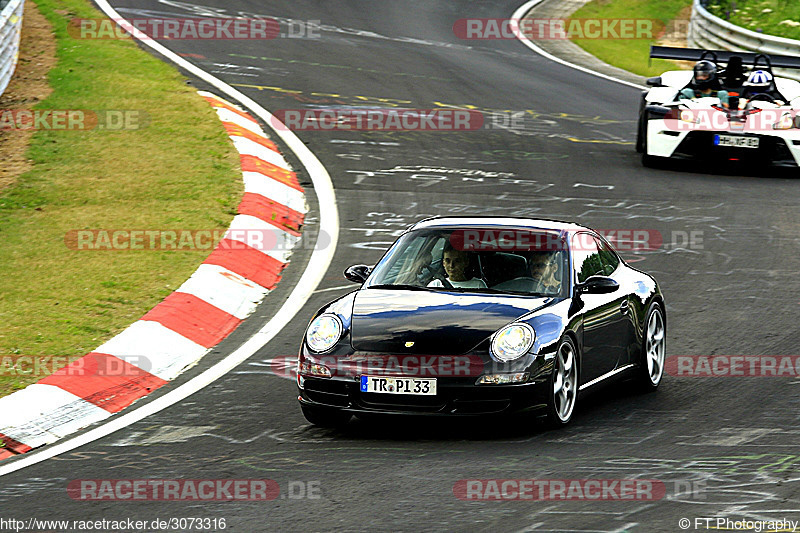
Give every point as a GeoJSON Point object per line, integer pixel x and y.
{"type": "Point", "coordinates": [513, 341]}
{"type": "Point", "coordinates": [324, 332]}
{"type": "Point", "coordinates": [785, 123]}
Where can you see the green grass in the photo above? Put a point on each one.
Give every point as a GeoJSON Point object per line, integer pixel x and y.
{"type": "Point", "coordinates": [180, 171]}
{"type": "Point", "coordinates": [630, 54]}
{"type": "Point", "coordinates": [773, 17]}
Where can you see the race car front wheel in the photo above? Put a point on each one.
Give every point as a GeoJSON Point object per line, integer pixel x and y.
{"type": "Point", "coordinates": [640, 130]}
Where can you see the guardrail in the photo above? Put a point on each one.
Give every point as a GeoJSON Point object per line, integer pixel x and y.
{"type": "Point", "coordinates": [711, 32]}
{"type": "Point", "coordinates": [10, 30]}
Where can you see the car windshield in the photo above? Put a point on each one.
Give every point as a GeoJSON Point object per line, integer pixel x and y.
{"type": "Point", "coordinates": [475, 260]}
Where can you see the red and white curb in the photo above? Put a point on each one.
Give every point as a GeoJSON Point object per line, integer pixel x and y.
{"type": "Point", "coordinates": [180, 330]}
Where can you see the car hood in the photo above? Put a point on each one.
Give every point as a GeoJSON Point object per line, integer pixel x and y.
{"type": "Point", "coordinates": [437, 323]}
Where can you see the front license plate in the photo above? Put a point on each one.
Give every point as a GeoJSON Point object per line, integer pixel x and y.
{"type": "Point", "coordinates": [386, 385]}
{"type": "Point", "coordinates": [736, 141]}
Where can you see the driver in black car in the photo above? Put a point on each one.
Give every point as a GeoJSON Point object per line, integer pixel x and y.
{"type": "Point", "coordinates": [455, 264]}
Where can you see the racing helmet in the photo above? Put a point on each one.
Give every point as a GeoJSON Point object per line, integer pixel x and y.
{"type": "Point", "coordinates": [705, 72]}
{"type": "Point", "coordinates": [759, 80]}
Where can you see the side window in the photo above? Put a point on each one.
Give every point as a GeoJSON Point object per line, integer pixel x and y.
{"type": "Point", "coordinates": [586, 256]}
{"type": "Point", "coordinates": [608, 258]}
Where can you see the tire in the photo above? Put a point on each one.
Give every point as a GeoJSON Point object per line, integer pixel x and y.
{"type": "Point", "coordinates": [325, 417]}
{"type": "Point", "coordinates": [563, 384]}
{"type": "Point", "coordinates": [649, 161]}
{"type": "Point", "coordinates": [654, 348]}
{"type": "Point", "coordinates": [641, 142]}
{"type": "Point", "coordinates": [640, 130]}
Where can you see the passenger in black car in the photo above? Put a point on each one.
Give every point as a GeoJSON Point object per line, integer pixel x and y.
{"type": "Point", "coordinates": [544, 269]}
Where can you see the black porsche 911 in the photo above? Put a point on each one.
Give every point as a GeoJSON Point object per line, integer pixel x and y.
{"type": "Point", "coordinates": [480, 316]}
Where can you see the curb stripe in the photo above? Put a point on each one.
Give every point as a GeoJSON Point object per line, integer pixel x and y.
{"type": "Point", "coordinates": [12, 447]}
{"type": "Point", "coordinates": [271, 211]}
{"type": "Point", "coordinates": [275, 191]}
{"type": "Point", "coordinates": [253, 164]}
{"type": "Point", "coordinates": [246, 123]}
{"type": "Point", "coordinates": [105, 380]}
{"type": "Point", "coordinates": [263, 236]}
{"type": "Point", "coordinates": [249, 147]}
{"type": "Point", "coordinates": [267, 215]}
{"type": "Point", "coordinates": [235, 131]}
{"type": "Point", "coordinates": [224, 289]}
{"type": "Point", "coordinates": [217, 102]}
{"type": "Point", "coordinates": [248, 262]}
{"type": "Point", "coordinates": [168, 353]}
{"type": "Point", "coordinates": [195, 319]}
{"type": "Point", "coordinates": [42, 414]}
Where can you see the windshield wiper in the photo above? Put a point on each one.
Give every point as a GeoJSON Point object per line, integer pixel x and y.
{"type": "Point", "coordinates": [400, 286]}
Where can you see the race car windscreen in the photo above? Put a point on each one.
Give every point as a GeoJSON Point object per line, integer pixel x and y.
{"type": "Point", "coordinates": [481, 260]}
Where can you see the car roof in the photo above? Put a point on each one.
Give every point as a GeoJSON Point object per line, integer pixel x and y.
{"type": "Point", "coordinates": [500, 222]}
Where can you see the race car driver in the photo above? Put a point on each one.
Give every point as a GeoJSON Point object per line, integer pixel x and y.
{"type": "Point", "coordinates": [705, 83]}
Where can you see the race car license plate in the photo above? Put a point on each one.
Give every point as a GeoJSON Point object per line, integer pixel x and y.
{"type": "Point", "coordinates": [736, 141]}
{"type": "Point", "coordinates": [386, 385]}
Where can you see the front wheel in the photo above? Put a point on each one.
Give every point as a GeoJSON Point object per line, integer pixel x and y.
{"type": "Point", "coordinates": [654, 348]}
{"type": "Point", "coordinates": [325, 417]}
{"type": "Point", "coordinates": [648, 160]}
{"type": "Point", "coordinates": [563, 394]}
{"type": "Point", "coordinates": [641, 131]}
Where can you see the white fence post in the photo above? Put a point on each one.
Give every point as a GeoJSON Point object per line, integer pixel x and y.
{"type": "Point", "coordinates": [711, 32]}
{"type": "Point", "coordinates": [10, 30]}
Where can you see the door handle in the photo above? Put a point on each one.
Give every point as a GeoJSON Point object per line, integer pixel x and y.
{"type": "Point", "coordinates": [624, 307]}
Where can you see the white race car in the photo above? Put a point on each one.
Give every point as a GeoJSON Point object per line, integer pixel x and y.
{"type": "Point", "coordinates": [741, 112]}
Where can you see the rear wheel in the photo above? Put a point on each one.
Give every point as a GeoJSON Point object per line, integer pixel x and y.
{"type": "Point", "coordinates": [654, 348]}
{"type": "Point", "coordinates": [563, 392]}
{"type": "Point", "coordinates": [325, 417]}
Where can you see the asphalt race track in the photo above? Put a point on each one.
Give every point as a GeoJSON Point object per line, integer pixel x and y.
{"type": "Point", "coordinates": [731, 291]}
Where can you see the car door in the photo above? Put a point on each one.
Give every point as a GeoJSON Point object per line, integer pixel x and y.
{"type": "Point", "coordinates": [603, 319]}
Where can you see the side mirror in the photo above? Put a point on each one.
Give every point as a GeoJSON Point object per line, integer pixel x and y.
{"type": "Point", "coordinates": [655, 82]}
{"type": "Point", "coordinates": [658, 110]}
{"type": "Point", "coordinates": [357, 273]}
{"type": "Point", "coordinates": [597, 285]}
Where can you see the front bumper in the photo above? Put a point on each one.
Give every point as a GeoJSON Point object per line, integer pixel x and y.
{"type": "Point", "coordinates": [774, 149]}
{"type": "Point", "coordinates": [455, 396]}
